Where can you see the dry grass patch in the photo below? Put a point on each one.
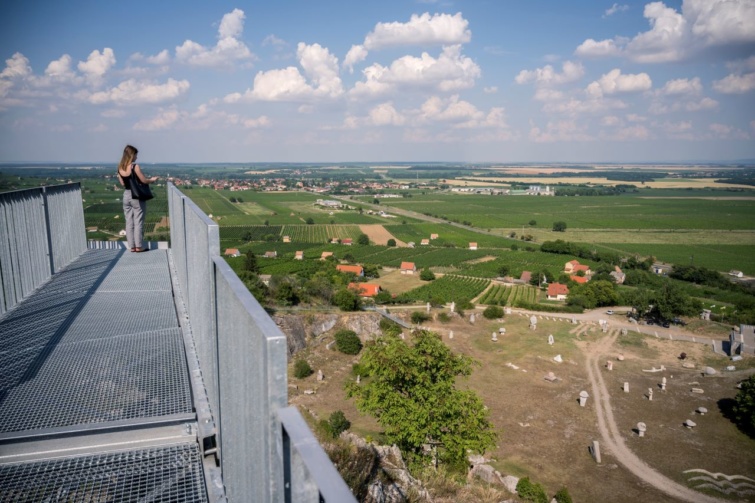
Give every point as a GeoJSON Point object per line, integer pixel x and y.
{"type": "Point", "coordinates": [398, 283]}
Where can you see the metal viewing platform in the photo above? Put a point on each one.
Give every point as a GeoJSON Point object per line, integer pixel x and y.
{"type": "Point", "coordinates": [140, 376]}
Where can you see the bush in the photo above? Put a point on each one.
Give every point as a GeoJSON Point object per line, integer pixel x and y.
{"type": "Point", "coordinates": [493, 312]}
{"type": "Point", "coordinates": [563, 496]}
{"type": "Point", "coordinates": [529, 491]}
{"type": "Point", "coordinates": [426, 275]}
{"type": "Point", "coordinates": [444, 317]}
{"type": "Point", "coordinates": [302, 369]}
{"type": "Point", "coordinates": [338, 423]}
{"type": "Point", "coordinates": [347, 341]}
{"type": "Point", "coordinates": [418, 317]}
{"type": "Point", "coordinates": [391, 242]}
{"type": "Point", "coordinates": [389, 327]}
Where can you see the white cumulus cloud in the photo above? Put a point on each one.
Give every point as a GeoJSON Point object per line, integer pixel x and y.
{"type": "Point", "coordinates": [424, 29]}
{"type": "Point", "coordinates": [614, 9]}
{"type": "Point", "coordinates": [675, 35]}
{"type": "Point", "coordinates": [615, 82]}
{"type": "Point", "coordinates": [385, 114]}
{"type": "Point", "coordinates": [228, 50]}
{"type": "Point", "coordinates": [17, 66]}
{"type": "Point", "coordinates": [548, 76]}
{"type": "Point", "coordinates": [450, 71]}
{"type": "Point", "coordinates": [97, 64]}
{"type": "Point", "coordinates": [735, 84]}
{"type": "Point", "coordinates": [682, 87]}
{"type": "Point", "coordinates": [356, 54]}
{"type": "Point", "coordinates": [133, 92]}
{"type": "Point", "coordinates": [289, 84]}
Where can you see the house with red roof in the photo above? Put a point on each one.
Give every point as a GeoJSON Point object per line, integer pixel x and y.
{"type": "Point", "coordinates": [579, 279]}
{"type": "Point", "coordinates": [472, 246]}
{"type": "Point", "coordinates": [408, 268]}
{"type": "Point", "coordinates": [365, 289]}
{"type": "Point", "coordinates": [557, 291]}
{"type": "Point", "coordinates": [354, 269]}
{"type": "Point", "coordinates": [232, 252]}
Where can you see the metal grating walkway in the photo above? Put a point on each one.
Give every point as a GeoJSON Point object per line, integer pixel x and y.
{"type": "Point", "coordinates": [169, 475]}
{"type": "Point", "coordinates": [94, 354]}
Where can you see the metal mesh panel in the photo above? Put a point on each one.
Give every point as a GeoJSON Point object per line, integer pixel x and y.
{"type": "Point", "coordinates": [95, 381]}
{"type": "Point", "coordinates": [170, 474]}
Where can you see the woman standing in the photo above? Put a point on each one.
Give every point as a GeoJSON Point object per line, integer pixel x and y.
{"type": "Point", "coordinates": [133, 209]}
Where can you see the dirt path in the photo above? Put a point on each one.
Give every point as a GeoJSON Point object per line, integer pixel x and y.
{"type": "Point", "coordinates": [611, 437]}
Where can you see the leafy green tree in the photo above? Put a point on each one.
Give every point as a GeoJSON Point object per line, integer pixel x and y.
{"type": "Point", "coordinates": [531, 491]}
{"type": "Point", "coordinates": [383, 297]}
{"type": "Point", "coordinates": [503, 270]}
{"type": "Point", "coordinates": [363, 239]}
{"type": "Point", "coordinates": [672, 301]}
{"type": "Point", "coordinates": [426, 275]}
{"type": "Point", "coordinates": [347, 300]}
{"type": "Point", "coordinates": [744, 408]}
{"type": "Point", "coordinates": [338, 423]}
{"type": "Point", "coordinates": [250, 263]}
{"type": "Point", "coordinates": [391, 242]}
{"type": "Point", "coordinates": [302, 369]}
{"type": "Point", "coordinates": [563, 496]}
{"type": "Point", "coordinates": [309, 221]}
{"type": "Point", "coordinates": [412, 393]}
{"type": "Point", "coordinates": [559, 226]}
{"type": "Point", "coordinates": [286, 295]}
{"type": "Point", "coordinates": [347, 342]}
{"type": "Point", "coordinates": [493, 312]}
{"type": "Point", "coordinates": [533, 223]}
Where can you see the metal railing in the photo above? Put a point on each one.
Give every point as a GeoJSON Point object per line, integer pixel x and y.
{"type": "Point", "coordinates": [41, 231]}
{"type": "Point", "coordinates": [265, 449]}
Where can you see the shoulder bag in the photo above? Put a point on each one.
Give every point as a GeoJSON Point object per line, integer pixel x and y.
{"type": "Point", "coordinates": [139, 190]}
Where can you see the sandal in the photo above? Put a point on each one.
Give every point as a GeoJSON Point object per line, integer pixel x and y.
{"type": "Point", "coordinates": [139, 250]}
{"type": "Point", "coordinates": [133, 249]}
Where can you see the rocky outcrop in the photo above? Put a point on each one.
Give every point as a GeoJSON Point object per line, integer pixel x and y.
{"type": "Point", "coordinates": [303, 329]}
{"type": "Point", "coordinates": [376, 473]}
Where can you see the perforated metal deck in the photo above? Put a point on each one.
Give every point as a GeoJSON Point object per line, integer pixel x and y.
{"type": "Point", "coordinates": [98, 349]}
{"type": "Point", "coordinates": [98, 343]}
{"type": "Point", "coordinates": [170, 475]}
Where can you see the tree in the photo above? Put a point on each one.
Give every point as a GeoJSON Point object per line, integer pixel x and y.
{"type": "Point", "coordinates": [309, 221]}
{"type": "Point", "coordinates": [347, 300]}
{"type": "Point", "coordinates": [250, 264]}
{"type": "Point", "coordinates": [302, 369]}
{"type": "Point", "coordinates": [391, 242]}
{"type": "Point", "coordinates": [559, 226]}
{"type": "Point", "coordinates": [426, 275]}
{"type": "Point", "coordinates": [744, 409]}
{"type": "Point", "coordinates": [533, 223]}
{"type": "Point", "coordinates": [347, 342]}
{"type": "Point", "coordinates": [503, 270]}
{"type": "Point", "coordinates": [493, 312]}
{"type": "Point", "coordinates": [412, 393]}
{"type": "Point", "coordinates": [418, 317]}
{"type": "Point", "coordinates": [363, 239]}
{"type": "Point", "coordinates": [338, 423]}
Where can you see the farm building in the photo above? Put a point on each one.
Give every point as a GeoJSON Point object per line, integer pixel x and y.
{"type": "Point", "coordinates": [286, 239]}
{"type": "Point", "coordinates": [573, 267]}
{"type": "Point", "coordinates": [472, 246]}
{"type": "Point", "coordinates": [433, 236]}
{"type": "Point", "coordinates": [365, 289]}
{"type": "Point", "coordinates": [355, 269]}
{"type": "Point", "coordinates": [347, 241]}
{"type": "Point", "coordinates": [661, 269]}
{"type": "Point", "coordinates": [557, 291]}
{"type": "Point", "coordinates": [328, 203]}
{"type": "Point", "coordinates": [525, 277]}
{"type": "Point", "coordinates": [618, 275]}
{"type": "Point", "coordinates": [232, 252]}
{"type": "Point", "coordinates": [271, 254]}
{"type": "Point", "coordinates": [424, 242]}
{"type": "Point", "coordinates": [579, 279]}
{"type": "Point", "coordinates": [408, 268]}
{"type": "Point", "coordinates": [299, 255]}
{"type": "Point", "coordinates": [326, 255]}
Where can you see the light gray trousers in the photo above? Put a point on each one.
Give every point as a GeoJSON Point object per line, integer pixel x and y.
{"type": "Point", "coordinates": [134, 211]}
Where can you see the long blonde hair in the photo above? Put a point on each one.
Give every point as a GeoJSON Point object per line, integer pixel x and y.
{"type": "Point", "coordinates": [129, 154]}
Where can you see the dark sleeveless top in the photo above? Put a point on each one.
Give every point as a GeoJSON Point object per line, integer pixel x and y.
{"type": "Point", "coordinates": [127, 181]}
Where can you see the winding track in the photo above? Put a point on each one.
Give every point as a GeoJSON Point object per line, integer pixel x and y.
{"type": "Point", "coordinates": [612, 439]}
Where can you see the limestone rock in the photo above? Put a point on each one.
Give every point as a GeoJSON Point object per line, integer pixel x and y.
{"type": "Point", "coordinates": [510, 482]}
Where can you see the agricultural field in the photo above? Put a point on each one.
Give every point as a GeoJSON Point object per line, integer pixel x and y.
{"type": "Point", "coordinates": [508, 295]}
{"type": "Point", "coordinates": [448, 235]}
{"type": "Point", "coordinates": [450, 288]}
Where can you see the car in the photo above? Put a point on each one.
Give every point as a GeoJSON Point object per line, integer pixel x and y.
{"type": "Point", "coordinates": [610, 311]}
{"type": "Point", "coordinates": [665, 324]}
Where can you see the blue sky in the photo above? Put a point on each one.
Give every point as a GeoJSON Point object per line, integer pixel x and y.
{"type": "Point", "coordinates": [337, 81]}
